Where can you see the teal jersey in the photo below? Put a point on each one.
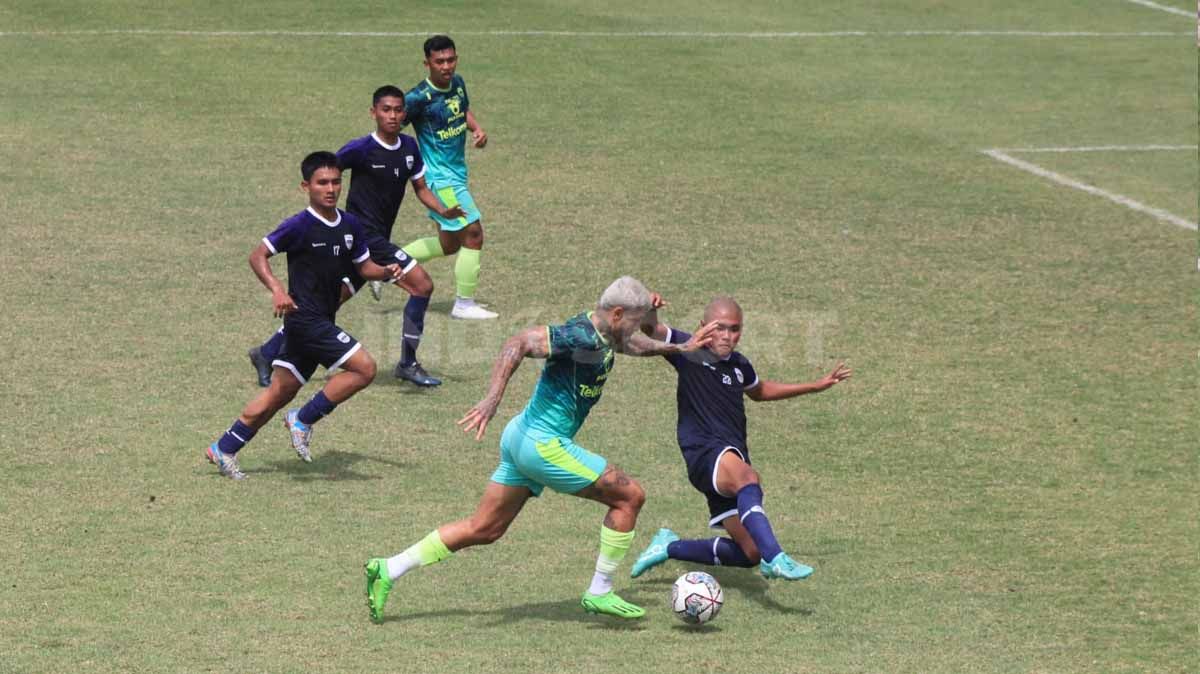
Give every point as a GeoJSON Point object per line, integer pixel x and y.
{"type": "Point", "coordinates": [440, 120]}
{"type": "Point", "coordinates": [572, 379]}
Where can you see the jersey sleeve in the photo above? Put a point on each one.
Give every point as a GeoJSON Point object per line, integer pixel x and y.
{"type": "Point", "coordinates": [414, 105]}
{"type": "Point", "coordinates": [566, 340]}
{"type": "Point", "coordinates": [350, 156]}
{"type": "Point", "coordinates": [418, 167]}
{"type": "Point", "coordinates": [676, 337]}
{"type": "Point", "coordinates": [359, 252]}
{"type": "Point", "coordinates": [466, 100]}
{"type": "Point", "coordinates": [749, 376]}
{"type": "Point", "coordinates": [287, 236]}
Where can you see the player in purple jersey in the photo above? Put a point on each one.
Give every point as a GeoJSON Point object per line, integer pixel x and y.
{"type": "Point", "coordinates": [323, 245]}
{"type": "Point", "coordinates": [381, 164]}
{"type": "Point", "coordinates": [712, 437]}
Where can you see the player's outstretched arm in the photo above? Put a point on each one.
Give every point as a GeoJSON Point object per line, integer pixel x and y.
{"type": "Point", "coordinates": [531, 343]}
{"type": "Point", "coordinates": [280, 299]}
{"type": "Point", "coordinates": [640, 345]}
{"type": "Point", "coordinates": [427, 197]}
{"type": "Point", "coordinates": [774, 390]}
{"type": "Point", "coordinates": [650, 325]}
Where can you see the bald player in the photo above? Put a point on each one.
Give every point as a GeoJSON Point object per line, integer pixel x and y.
{"type": "Point", "coordinates": [712, 436]}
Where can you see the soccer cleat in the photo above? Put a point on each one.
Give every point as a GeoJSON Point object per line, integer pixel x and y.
{"type": "Point", "coordinates": [261, 365]}
{"type": "Point", "coordinates": [471, 311]}
{"type": "Point", "coordinates": [416, 374]}
{"type": "Point", "coordinates": [610, 604]}
{"type": "Point", "coordinates": [378, 587]}
{"type": "Point", "coordinates": [784, 567]}
{"type": "Point", "coordinates": [300, 434]}
{"type": "Point", "coordinates": [226, 463]}
{"type": "Point", "coordinates": [654, 554]}
{"type": "Point", "coordinates": [377, 290]}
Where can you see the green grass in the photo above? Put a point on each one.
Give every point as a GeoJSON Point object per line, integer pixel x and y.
{"type": "Point", "coordinates": [1007, 484]}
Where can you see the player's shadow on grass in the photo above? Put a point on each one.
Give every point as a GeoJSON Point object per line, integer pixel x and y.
{"type": "Point", "coordinates": [749, 584]}
{"type": "Point", "coordinates": [563, 611]}
{"type": "Point", "coordinates": [333, 465]}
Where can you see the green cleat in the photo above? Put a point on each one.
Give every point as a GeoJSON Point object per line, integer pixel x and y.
{"type": "Point", "coordinates": [654, 554]}
{"type": "Point", "coordinates": [378, 587]}
{"type": "Point", "coordinates": [611, 604]}
{"type": "Point", "coordinates": [784, 567]}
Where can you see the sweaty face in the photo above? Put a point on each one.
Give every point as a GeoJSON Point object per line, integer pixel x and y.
{"type": "Point", "coordinates": [389, 114]}
{"type": "Point", "coordinates": [728, 332]}
{"type": "Point", "coordinates": [441, 66]}
{"type": "Point", "coordinates": [324, 187]}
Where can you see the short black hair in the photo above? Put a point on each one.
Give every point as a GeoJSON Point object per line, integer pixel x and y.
{"type": "Point", "coordinates": [318, 160]}
{"type": "Point", "coordinates": [438, 43]}
{"type": "Point", "coordinates": [386, 90]}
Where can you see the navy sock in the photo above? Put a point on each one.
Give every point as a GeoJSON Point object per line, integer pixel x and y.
{"type": "Point", "coordinates": [315, 409]}
{"type": "Point", "coordinates": [235, 438]}
{"type": "Point", "coordinates": [754, 518]}
{"type": "Point", "coordinates": [414, 326]}
{"type": "Point", "coordinates": [270, 349]}
{"type": "Point", "coordinates": [710, 551]}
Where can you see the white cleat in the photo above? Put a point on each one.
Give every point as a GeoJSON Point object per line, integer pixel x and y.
{"type": "Point", "coordinates": [471, 311]}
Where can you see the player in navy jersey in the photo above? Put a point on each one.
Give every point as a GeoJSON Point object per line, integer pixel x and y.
{"type": "Point", "coordinates": [323, 245]}
{"type": "Point", "coordinates": [380, 165]}
{"type": "Point", "coordinates": [712, 436]}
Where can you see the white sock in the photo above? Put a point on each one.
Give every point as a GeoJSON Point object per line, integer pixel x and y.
{"type": "Point", "coordinates": [601, 583]}
{"type": "Point", "coordinates": [464, 302]}
{"type": "Point", "coordinates": [401, 564]}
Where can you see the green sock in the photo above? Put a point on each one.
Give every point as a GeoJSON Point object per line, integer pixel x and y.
{"type": "Point", "coordinates": [423, 250]}
{"type": "Point", "coordinates": [429, 550]}
{"type": "Point", "coordinates": [613, 546]}
{"type": "Point", "coordinates": [466, 272]}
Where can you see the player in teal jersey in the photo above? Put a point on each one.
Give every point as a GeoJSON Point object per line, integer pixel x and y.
{"type": "Point", "coordinates": [440, 112]}
{"type": "Point", "coordinates": [537, 449]}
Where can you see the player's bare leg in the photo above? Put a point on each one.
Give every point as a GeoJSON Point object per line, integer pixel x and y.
{"type": "Point", "coordinates": [255, 414]}
{"type": "Point", "coordinates": [624, 498]}
{"type": "Point", "coordinates": [735, 476]}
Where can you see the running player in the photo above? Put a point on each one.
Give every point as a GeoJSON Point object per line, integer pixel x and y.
{"type": "Point", "coordinates": [537, 449]}
{"type": "Point", "coordinates": [381, 164]}
{"type": "Point", "coordinates": [440, 111]}
{"type": "Point", "coordinates": [323, 245]}
{"type": "Point", "coordinates": [712, 436]}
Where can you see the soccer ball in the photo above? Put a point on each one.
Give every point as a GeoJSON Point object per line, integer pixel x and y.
{"type": "Point", "coordinates": [696, 597]}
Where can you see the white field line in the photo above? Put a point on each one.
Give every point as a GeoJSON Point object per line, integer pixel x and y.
{"type": "Point", "coordinates": [591, 34]}
{"type": "Point", "coordinates": [1163, 8]}
{"type": "Point", "coordinates": [1061, 179]}
{"type": "Point", "coordinates": [1099, 148]}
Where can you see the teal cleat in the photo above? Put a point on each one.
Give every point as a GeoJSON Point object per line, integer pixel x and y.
{"type": "Point", "coordinates": [378, 587]}
{"type": "Point", "coordinates": [226, 463]}
{"type": "Point", "coordinates": [784, 567]}
{"type": "Point", "coordinates": [299, 433]}
{"type": "Point", "coordinates": [654, 554]}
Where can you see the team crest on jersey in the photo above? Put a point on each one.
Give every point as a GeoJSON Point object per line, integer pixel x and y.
{"type": "Point", "coordinates": [343, 338]}
{"type": "Point", "coordinates": [738, 373]}
{"type": "Point", "coordinates": [408, 161]}
{"type": "Point", "coordinates": [349, 241]}
{"type": "Point", "coordinates": [454, 105]}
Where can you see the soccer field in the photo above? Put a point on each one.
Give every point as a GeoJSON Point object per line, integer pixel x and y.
{"type": "Point", "coordinates": [987, 208]}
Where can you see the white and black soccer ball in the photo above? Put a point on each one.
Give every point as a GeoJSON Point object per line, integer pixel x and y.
{"type": "Point", "coordinates": [696, 597]}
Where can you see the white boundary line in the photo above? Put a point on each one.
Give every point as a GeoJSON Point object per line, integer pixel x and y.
{"type": "Point", "coordinates": [1163, 8]}
{"type": "Point", "coordinates": [587, 34]}
{"type": "Point", "coordinates": [1099, 148]}
{"type": "Point", "coordinates": [1158, 213]}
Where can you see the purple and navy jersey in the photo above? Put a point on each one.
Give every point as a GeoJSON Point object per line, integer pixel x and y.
{"type": "Point", "coordinates": [709, 396]}
{"type": "Point", "coordinates": [319, 254]}
{"type": "Point", "coordinates": [379, 174]}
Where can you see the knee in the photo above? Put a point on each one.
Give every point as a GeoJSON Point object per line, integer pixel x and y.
{"type": "Point", "coordinates": [367, 371]}
{"type": "Point", "coordinates": [635, 496]}
{"type": "Point", "coordinates": [474, 238]}
{"type": "Point", "coordinates": [422, 285]}
{"type": "Point", "coordinates": [450, 247]}
{"type": "Point", "coordinates": [753, 555]}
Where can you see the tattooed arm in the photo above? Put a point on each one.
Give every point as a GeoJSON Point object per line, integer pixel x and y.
{"type": "Point", "coordinates": [531, 343]}
{"type": "Point", "coordinates": [639, 344]}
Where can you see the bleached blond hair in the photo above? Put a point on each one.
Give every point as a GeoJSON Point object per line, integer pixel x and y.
{"type": "Point", "coordinates": [626, 292]}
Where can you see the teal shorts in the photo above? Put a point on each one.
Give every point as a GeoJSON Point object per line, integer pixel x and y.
{"type": "Point", "coordinates": [533, 459]}
{"type": "Point", "coordinates": [455, 195]}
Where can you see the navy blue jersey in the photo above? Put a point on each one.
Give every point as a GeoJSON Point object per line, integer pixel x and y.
{"type": "Point", "coordinates": [319, 254]}
{"type": "Point", "coordinates": [709, 396]}
{"type": "Point", "coordinates": [378, 176]}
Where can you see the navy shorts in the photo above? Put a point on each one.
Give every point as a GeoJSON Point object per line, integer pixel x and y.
{"type": "Point", "coordinates": [702, 473]}
{"type": "Point", "coordinates": [382, 253]}
{"type": "Point", "coordinates": [312, 342]}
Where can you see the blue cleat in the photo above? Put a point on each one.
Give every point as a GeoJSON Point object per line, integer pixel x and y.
{"type": "Point", "coordinates": [300, 434]}
{"type": "Point", "coordinates": [784, 567]}
{"type": "Point", "coordinates": [226, 463]}
{"type": "Point", "coordinates": [655, 553]}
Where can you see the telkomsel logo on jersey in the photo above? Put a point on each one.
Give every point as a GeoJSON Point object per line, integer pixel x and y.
{"type": "Point", "coordinates": [447, 134]}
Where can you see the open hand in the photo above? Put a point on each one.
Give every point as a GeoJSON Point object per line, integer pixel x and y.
{"type": "Point", "coordinates": [840, 374]}
{"type": "Point", "coordinates": [700, 339]}
{"type": "Point", "coordinates": [477, 418]}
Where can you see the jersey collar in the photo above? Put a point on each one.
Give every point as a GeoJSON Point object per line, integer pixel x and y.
{"type": "Point", "coordinates": [327, 223]}
{"type": "Point", "coordinates": [379, 140]}
{"type": "Point", "coordinates": [437, 88]}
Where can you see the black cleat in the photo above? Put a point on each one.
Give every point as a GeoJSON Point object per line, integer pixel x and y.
{"type": "Point", "coordinates": [261, 366]}
{"type": "Point", "coordinates": [416, 374]}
